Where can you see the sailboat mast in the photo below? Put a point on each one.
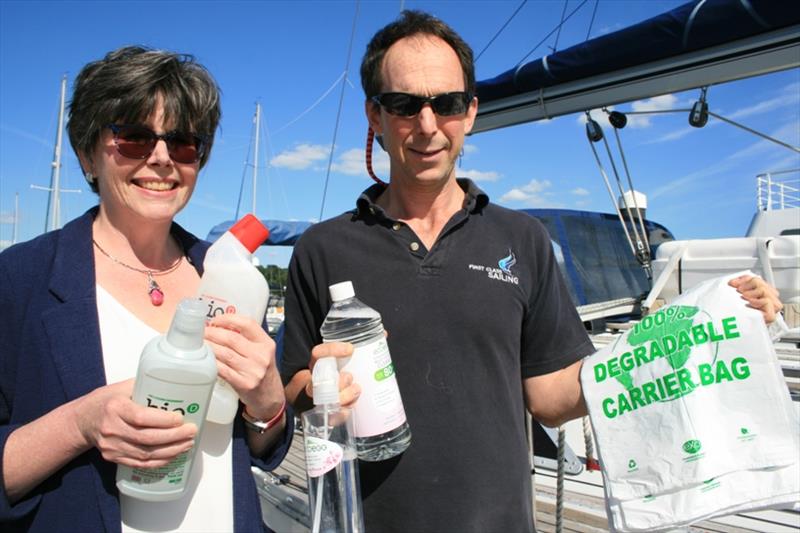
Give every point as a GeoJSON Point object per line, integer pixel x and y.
{"type": "Point", "coordinates": [54, 200]}
{"type": "Point", "coordinates": [255, 155]}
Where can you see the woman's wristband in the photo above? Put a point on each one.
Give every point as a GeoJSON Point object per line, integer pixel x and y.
{"type": "Point", "coordinates": [261, 426]}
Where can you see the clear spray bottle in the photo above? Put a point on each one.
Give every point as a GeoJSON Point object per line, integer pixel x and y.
{"type": "Point", "coordinates": [333, 486]}
{"type": "Point", "coordinates": [177, 372]}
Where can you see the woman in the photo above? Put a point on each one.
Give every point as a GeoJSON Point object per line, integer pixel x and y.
{"type": "Point", "coordinates": [80, 303]}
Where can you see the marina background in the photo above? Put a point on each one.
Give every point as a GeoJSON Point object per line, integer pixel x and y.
{"type": "Point", "coordinates": [299, 60]}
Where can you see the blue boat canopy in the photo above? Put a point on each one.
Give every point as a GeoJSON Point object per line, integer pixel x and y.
{"type": "Point", "coordinates": [281, 232]}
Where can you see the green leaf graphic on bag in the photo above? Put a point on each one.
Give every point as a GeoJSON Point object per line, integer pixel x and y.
{"type": "Point", "coordinates": [670, 321]}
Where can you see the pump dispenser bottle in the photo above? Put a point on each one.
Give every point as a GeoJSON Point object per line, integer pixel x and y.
{"type": "Point", "coordinates": [231, 284]}
{"type": "Point", "coordinates": [177, 372]}
{"type": "Point", "coordinates": [333, 486]}
{"type": "Point", "coordinates": [381, 428]}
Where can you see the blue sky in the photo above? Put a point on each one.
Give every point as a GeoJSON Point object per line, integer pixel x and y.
{"type": "Point", "coordinates": [292, 58]}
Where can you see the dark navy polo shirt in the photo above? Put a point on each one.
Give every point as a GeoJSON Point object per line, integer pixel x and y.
{"type": "Point", "coordinates": [468, 320]}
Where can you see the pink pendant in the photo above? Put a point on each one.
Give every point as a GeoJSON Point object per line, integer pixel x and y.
{"type": "Point", "coordinates": [156, 297]}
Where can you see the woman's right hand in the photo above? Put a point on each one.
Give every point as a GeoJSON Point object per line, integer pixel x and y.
{"type": "Point", "coordinates": [128, 433]}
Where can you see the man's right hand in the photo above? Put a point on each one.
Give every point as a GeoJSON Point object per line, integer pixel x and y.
{"type": "Point", "coordinates": [300, 391]}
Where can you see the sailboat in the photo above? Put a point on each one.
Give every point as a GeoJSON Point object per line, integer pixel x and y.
{"type": "Point", "coordinates": [694, 46]}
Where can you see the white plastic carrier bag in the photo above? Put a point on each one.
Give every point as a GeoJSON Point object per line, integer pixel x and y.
{"type": "Point", "coordinates": [692, 414]}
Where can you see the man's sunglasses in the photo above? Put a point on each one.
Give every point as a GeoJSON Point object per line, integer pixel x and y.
{"type": "Point", "coordinates": [138, 142]}
{"type": "Point", "coordinates": [408, 105]}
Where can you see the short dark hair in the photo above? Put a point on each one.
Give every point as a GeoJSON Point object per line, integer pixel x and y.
{"type": "Point", "coordinates": [408, 24]}
{"type": "Point", "coordinates": [123, 87]}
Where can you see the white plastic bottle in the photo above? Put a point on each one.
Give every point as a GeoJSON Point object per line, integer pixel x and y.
{"type": "Point", "coordinates": [381, 428]}
{"type": "Point", "coordinates": [333, 486]}
{"type": "Point", "coordinates": [176, 372]}
{"type": "Point", "coordinates": [231, 284]}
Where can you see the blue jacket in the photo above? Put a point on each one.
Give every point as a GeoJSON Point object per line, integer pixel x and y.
{"type": "Point", "coordinates": [50, 354]}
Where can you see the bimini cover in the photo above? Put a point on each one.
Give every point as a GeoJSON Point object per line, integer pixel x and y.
{"type": "Point", "coordinates": [594, 255]}
{"type": "Point", "coordinates": [281, 232]}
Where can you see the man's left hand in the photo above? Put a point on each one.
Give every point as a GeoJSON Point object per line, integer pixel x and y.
{"type": "Point", "coordinates": [759, 295]}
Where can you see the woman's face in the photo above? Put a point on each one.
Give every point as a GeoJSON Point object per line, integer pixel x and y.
{"type": "Point", "coordinates": [141, 190]}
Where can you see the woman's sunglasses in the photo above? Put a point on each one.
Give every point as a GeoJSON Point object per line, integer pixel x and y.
{"type": "Point", "coordinates": [138, 142]}
{"type": "Point", "coordinates": [408, 105]}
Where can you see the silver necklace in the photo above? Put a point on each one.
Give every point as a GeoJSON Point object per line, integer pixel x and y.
{"type": "Point", "coordinates": [153, 290]}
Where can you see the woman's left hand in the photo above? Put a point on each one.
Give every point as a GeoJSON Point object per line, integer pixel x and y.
{"type": "Point", "coordinates": [759, 295]}
{"type": "Point", "coordinates": [246, 360]}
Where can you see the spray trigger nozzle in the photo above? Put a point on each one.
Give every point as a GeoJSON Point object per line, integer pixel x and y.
{"type": "Point", "coordinates": [325, 381]}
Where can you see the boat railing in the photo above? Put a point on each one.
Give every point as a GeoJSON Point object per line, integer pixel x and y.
{"type": "Point", "coordinates": [778, 190]}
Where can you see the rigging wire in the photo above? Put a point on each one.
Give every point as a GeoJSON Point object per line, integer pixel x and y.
{"type": "Point", "coordinates": [312, 106]}
{"type": "Point", "coordinates": [560, 25]}
{"type": "Point", "coordinates": [503, 27]}
{"type": "Point", "coordinates": [339, 111]}
{"type": "Point", "coordinates": [723, 119]}
{"type": "Point", "coordinates": [643, 248]}
{"type": "Point", "coordinates": [244, 171]}
{"type": "Point", "coordinates": [591, 121]}
{"type": "Point", "coordinates": [551, 33]}
{"type": "Point", "coordinates": [638, 251]}
{"type": "Point", "coordinates": [591, 22]}
{"type": "Point", "coordinates": [754, 132]}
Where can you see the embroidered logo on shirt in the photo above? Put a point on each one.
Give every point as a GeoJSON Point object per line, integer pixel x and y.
{"type": "Point", "coordinates": [507, 262]}
{"type": "Point", "coordinates": [503, 270]}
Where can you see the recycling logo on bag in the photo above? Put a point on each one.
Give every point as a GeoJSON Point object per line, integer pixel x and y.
{"type": "Point", "coordinates": [692, 446]}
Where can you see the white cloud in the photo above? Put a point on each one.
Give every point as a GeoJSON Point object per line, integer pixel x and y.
{"type": "Point", "coordinates": [352, 163]}
{"type": "Point", "coordinates": [27, 135]}
{"type": "Point", "coordinates": [301, 156]}
{"type": "Point", "coordinates": [657, 103]}
{"type": "Point", "coordinates": [4, 243]}
{"type": "Point", "coordinates": [6, 217]}
{"type": "Point", "coordinates": [789, 97]}
{"type": "Point", "coordinates": [580, 191]}
{"type": "Point", "coordinates": [730, 163]}
{"type": "Point", "coordinates": [788, 133]}
{"type": "Point", "coordinates": [534, 194]}
{"type": "Point", "coordinates": [470, 149]}
{"type": "Point", "coordinates": [478, 175]}
{"type": "Point", "coordinates": [673, 135]}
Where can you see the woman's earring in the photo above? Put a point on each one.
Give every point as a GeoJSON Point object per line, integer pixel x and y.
{"type": "Point", "coordinates": [89, 177]}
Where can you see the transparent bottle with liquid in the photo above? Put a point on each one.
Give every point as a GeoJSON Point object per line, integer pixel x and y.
{"type": "Point", "coordinates": [176, 372]}
{"type": "Point", "coordinates": [381, 428]}
{"type": "Point", "coordinates": [332, 469]}
{"type": "Point", "coordinates": [232, 284]}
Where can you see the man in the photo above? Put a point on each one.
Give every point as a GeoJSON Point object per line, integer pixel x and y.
{"type": "Point", "coordinates": [467, 346]}
{"type": "Point", "coordinates": [480, 323]}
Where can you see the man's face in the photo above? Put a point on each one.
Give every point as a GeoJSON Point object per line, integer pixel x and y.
{"type": "Point", "coordinates": [423, 149]}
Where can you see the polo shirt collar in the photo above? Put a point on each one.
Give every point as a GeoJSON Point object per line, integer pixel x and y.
{"type": "Point", "coordinates": [366, 204]}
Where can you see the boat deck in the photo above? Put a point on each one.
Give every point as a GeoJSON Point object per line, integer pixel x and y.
{"type": "Point", "coordinates": [284, 495]}
{"type": "Point", "coordinates": [284, 500]}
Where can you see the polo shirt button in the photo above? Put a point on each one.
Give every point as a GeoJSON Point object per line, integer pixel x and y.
{"type": "Point", "coordinates": [396, 226]}
{"type": "Point", "coordinates": [372, 210]}
{"type": "Point", "coordinates": [414, 246]}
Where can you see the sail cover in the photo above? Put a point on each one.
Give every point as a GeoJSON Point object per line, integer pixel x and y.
{"type": "Point", "coordinates": [696, 44]}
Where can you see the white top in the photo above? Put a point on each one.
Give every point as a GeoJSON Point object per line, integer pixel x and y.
{"type": "Point", "coordinates": [207, 504]}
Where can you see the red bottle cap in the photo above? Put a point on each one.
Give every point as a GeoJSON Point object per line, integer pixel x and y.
{"type": "Point", "coordinates": [250, 232]}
